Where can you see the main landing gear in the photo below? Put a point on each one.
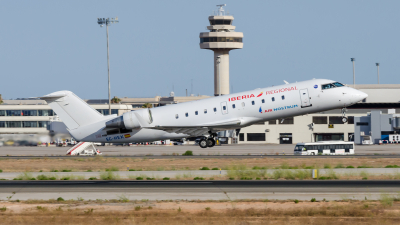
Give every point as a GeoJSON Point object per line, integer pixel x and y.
{"type": "Point", "coordinates": [207, 142]}
{"type": "Point", "coordinates": [344, 118]}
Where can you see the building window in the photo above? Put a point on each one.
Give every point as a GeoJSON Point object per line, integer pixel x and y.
{"type": "Point", "coordinates": [13, 112]}
{"type": "Point", "coordinates": [283, 97]}
{"type": "Point", "coordinates": [288, 120]}
{"type": "Point", "coordinates": [176, 116]}
{"type": "Point", "coordinates": [114, 111]}
{"type": "Point", "coordinates": [252, 102]}
{"type": "Point", "coordinates": [50, 112]}
{"type": "Point", "coordinates": [335, 120]}
{"type": "Point", "coordinates": [320, 119]}
{"type": "Point", "coordinates": [43, 123]}
{"type": "Point", "coordinates": [260, 123]}
{"type": "Point", "coordinates": [350, 120]}
{"type": "Point", "coordinates": [271, 122]}
{"type": "Point", "coordinates": [215, 109]}
{"type": "Point", "coordinates": [196, 113]}
{"type": "Point", "coordinates": [273, 99]}
{"type": "Point", "coordinates": [29, 124]}
{"type": "Point", "coordinates": [241, 137]}
{"type": "Point", "coordinates": [221, 39]}
{"type": "Point", "coordinates": [29, 112]}
{"type": "Point", "coordinates": [362, 123]}
{"type": "Point", "coordinates": [186, 114]}
{"type": "Point", "coordinates": [233, 106]}
{"type": "Point", "coordinates": [262, 100]}
{"type": "Point", "coordinates": [2, 113]}
{"type": "Point", "coordinates": [2, 124]}
{"type": "Point", "coordinates": [255, 136]}
{"type": "Point", "coordinates": [13, 124]}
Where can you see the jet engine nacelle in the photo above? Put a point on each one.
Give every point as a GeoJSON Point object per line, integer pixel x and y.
{"type": "Point", "coordinates": [131, 120]}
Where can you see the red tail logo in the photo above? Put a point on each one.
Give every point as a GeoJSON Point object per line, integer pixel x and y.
{"type": "Point", "coordinates": [259, 94]}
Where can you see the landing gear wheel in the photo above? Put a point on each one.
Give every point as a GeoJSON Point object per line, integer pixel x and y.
{"type": "Point", "coordinates": [210, 142]}
{"type": "Point", "coordinates": [203, 143]}
{"type": "Point", "coordinates": [344, 118]}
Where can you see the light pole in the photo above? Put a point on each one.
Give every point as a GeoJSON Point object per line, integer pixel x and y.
{"type": "Point", "coordinates": [354, 72]}
{"type": "Point", "coordinates": [219, 75]}
{"type": "Point", "coordinates": [108, 22]}
{"type": "Point", "coordinates": [377, 65]}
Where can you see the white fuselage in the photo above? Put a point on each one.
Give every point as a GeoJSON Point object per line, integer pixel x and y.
{"type": "Point", "coordinates": [246, 107]}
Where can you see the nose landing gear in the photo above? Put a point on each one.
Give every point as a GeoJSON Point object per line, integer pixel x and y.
{"type": "Point", "coordinates": [344, 118]}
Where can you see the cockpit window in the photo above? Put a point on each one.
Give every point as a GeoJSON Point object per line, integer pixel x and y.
{"type": "Point", "coordinates": [333, 85]}
{"type": "Point", "coordinates": [337, 84]}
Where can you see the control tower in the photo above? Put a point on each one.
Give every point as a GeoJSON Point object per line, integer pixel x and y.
{"type": "Point", "coordinates": [221, 39]}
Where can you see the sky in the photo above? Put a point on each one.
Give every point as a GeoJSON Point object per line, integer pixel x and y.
{"type": "Point", "coordinates": [47, 46]}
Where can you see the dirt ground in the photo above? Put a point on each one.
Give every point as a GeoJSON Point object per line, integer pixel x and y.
{"type": "Point", "coordinates": [355, 212]}
{"type": "Point", "coordinates": [148, 164]}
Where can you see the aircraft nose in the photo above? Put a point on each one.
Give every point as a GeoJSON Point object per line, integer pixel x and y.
{"type": "Point", "coordinates": [359, 95]}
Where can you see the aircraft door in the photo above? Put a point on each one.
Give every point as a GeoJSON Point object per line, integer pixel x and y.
{"type": "Point", "coordinates": [224, 108]}
{"type": "Point", "coordinates": [305, 99]}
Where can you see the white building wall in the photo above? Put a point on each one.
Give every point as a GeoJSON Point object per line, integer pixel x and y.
{"type": "Point", "coordinates": [301, 129]}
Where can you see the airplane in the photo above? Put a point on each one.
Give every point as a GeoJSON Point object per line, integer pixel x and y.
{"type": "Point", "coordinates": [202, 118]}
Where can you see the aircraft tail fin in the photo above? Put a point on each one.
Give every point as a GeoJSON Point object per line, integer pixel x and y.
{"type": "Point", "coordinates": [72, 110]}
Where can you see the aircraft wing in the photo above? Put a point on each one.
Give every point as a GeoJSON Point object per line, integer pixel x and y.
{"type": "Point", "coordinates": [201, 129]}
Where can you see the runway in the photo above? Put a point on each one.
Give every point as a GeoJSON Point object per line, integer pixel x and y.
{"type": "Point", "coordinates": [199, 190]}
{"type": "Point", "coordinates": [224, 151]}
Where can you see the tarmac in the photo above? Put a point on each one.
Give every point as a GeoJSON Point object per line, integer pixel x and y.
{"type": "Point", "coordinates": [242, 150]}
{"type": "Point", "coordinates": [198, 190]}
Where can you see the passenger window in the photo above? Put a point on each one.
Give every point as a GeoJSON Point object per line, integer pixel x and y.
{"type": "Point", "coordinates": [215, 109]}
{"type": "Point", "coordinates": [176, 116]}
{"type": "Point", "coordinates": [252, 102]}
{"type": "Point", "coordinates": [283, 97]}
{"type": "Point", "coordinates": [196, 113]}
{"type": "Point", "coordinates": [263, 101]}
{"type": "Point", "coordinates": [242, 104]}
{"type": "Point", "coordinates": [273, 99]}
{"type": "Point", "coordinates": [233, 106]}
{"type": "Point", "coordinates": [186, 114]}
{"type": "Point", "coordinates": [224, 107]}
{"type": "Point", "coordinates": [205, 111]}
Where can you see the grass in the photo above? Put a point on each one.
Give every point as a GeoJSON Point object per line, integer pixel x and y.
{"type": "Point", "coordinates": [204, 168]}
{"type": "Point", "coordinates": [108, 175]}
{"type": "Point", "coordinates": [25, 176]}
{"type": "Point", "coordinates": [339, 166]}
{"type": "Point", "coordinates": [166, 178]}
{"type": "Point", "coordinates": [199, 212]}
{"type": "Point", "coordinates": [99, 163]}
{"type": "Point", "coordinates": [392, 166]}
{"type": "Point", "coordinates": [187, 153]}
{"type": "Point", "coordinates": [123, 198]}
{"type": "Point", "coordinates": [44, 177]}
{"type": "Point", "coordinates": [386, 199]}
{"type": "Point", "coordinates": [59, 199]}
{"type": "Point", "coordinates": [113, 168]}
{"type": "Point", "coordinates": [198, 178]}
